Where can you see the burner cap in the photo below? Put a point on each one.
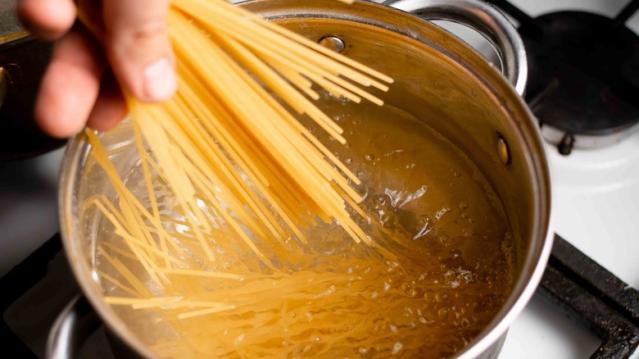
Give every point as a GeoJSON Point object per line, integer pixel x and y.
{"type": "Point", "coordinates": [584, 78]}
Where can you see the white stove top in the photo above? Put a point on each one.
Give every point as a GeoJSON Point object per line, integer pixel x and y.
{"type": "Point", "coordinates": [596, 208]}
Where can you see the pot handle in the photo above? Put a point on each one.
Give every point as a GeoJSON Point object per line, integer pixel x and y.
{"type": "Point", "coordinates": [483, 18]}
{"type": "Point", "coordinates": [71, 329]}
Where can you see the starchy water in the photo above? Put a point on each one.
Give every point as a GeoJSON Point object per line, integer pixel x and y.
{"type": "Point", "coordinates": [427, 203]}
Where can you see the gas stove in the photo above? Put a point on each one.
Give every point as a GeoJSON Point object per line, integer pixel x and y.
{"type": "Point", "coordinates": [583, 87]}
{"type": "Point", "coordinates": [593, 150]}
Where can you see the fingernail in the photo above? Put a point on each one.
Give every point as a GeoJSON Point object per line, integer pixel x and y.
{"type": "Point", "coordinates": [159, 80]}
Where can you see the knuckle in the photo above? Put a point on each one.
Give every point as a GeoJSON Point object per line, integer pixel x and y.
{"type": "Point", "coordinates": [140, 36]}
{"type": "Point", "coordinates": [149, 30]}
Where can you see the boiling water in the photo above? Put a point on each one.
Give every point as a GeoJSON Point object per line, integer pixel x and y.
{"type": "Point", "coordinates": [334, 298]}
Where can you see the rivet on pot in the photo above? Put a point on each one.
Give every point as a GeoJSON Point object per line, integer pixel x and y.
{"type": "Point", "coordinates": [333, 43]}
{"type": "Point", "coordinates": [503, 150]}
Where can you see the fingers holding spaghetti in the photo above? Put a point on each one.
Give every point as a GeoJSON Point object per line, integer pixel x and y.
{"type": "Point", "coordinates": [70, 86]}
{"type": "Point", "coordinates": [110, 107]}
{"type": "Point", "coordinates": [49, 19]}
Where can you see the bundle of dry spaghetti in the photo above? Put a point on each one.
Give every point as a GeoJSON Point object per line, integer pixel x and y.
{"type": "Point", "coordinates": [230, 136]}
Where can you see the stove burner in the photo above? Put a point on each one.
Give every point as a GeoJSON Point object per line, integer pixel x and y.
{"type": "Point", "coordinates": [584, 75]}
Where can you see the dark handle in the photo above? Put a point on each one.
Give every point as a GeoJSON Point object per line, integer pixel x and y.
{"type": "Point", "coordinates": [74, 325]}
{"type": "Point", "coordinates": [23, 61]}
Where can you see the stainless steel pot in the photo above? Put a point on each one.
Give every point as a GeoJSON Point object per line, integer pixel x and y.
{"type": "Point", "coordinates": [437, 77]}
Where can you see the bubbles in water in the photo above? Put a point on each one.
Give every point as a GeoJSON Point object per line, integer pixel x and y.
{"type": "Point", "coordinates": [409, 310]}
{"type": "Point", "coordinates": [381, 200]}
{"type": "Point", "coordinates": [418, 288]}
{"type": "Point", "coordinates": [442, 312]}
{"type": "Point", "coordinates": [343, 100]}
{"type": "Point", "coordinates": [393, 152]}
{"type": "Point", "coordinates": [239, 339]}
{"type": "Point", "coordinates": [397, 348]}
{"type": "Point", "coordinates": [327, 292]}
{"type": "Point", "coordinates": [421, 191]}
{"type": "Point", "coordinates": [423, 230]}
{"type": "Point", "coordinates": [394, 195]}
{"type": "Point", "coordinates": [441, 213]}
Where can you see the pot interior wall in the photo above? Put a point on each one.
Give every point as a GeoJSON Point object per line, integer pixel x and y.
{"type": "Point", "coordinates": [450, 99]}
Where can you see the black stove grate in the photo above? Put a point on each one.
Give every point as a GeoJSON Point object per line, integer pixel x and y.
{"type": "Point", "coordinates": [590, 293]}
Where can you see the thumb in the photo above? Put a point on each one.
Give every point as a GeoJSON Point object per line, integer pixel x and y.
{"type": "Point", "coordinates": [138, 47]}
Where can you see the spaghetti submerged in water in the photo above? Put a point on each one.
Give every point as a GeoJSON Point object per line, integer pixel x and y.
{"type": "Point", "coordinates": [248, 235]}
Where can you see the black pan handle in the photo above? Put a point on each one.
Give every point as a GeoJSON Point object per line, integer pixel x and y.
{"type": "Point", "coordinates": [23, 60]}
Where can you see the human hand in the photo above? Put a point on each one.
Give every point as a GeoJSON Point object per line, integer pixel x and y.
{"type": "Point", "coordinates": [127, 50]}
